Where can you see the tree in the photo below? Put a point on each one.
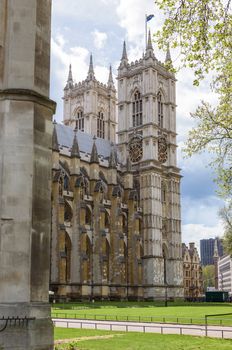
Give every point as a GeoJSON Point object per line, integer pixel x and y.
{"type": "Point", "coordinates": [208, 276]}
{"type": "Point", "coordinates": [226, 216]}
{"type": "Point", "coordinates": [202, 31]}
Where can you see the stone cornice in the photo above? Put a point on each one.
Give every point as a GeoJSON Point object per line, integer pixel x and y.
{"type": "Point", "coordinates": [27, 95]}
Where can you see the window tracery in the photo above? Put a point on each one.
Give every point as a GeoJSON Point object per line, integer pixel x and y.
{"type": "Point", "coordinates": [137, 112]}
{"type": "Point", "coordinates": [80, 123]}
{"type": "Point", "coordinates": [100, 125]}
{"type": "Point", "coordinates": [160, 110]}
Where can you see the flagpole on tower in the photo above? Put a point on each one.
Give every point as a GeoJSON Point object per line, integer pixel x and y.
{"type": "Point", "coordinates": [147, 19]}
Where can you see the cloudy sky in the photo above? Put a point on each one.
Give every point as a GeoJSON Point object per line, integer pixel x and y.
{"type": "Point", "coordinates": [99, 27]}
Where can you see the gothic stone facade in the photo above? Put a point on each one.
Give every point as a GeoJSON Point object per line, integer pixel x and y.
{"type": "Point", "coordinates": [116, 230]}
{"type": "Point", "coordinates": [192, 272]}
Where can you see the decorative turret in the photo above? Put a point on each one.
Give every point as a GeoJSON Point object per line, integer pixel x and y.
{"type": "Point", "coordinates": [124, 59]}
{"type": "Point", "coordinates": [55, 149]}
{"type": "Point", "coordinates": [168, 58]}
{"type": "Point", "coordinates": [55, 145]}
{"type": "Point", "coordinates": [113, 158]}
{"type": "Point", "coordinates": [69, 84]}
{"type": "Point", "coordinates": [94, 154]}
{"type": "Point", "coordinates": [112, 172]}
{"type": "Point", "coordinates": [75, 153]}
{"type": "Point", "coordinates": [124, 53]}
{"type": "Point", "coordinates": [90, 75]}
{"type": "Point", "coordinates": [110, 83]}
{"type": "Point", "coordinates": [75, 156]}
{"type": "Point", "coordinates": [94, 162]}
{"type": "Point", "coordinates": [149, 48]}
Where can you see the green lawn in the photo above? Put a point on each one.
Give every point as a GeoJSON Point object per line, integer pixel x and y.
{"type": "Point", "coordinates": [188, 313]}
{"type": "Point", "coordinates": [136, 341]}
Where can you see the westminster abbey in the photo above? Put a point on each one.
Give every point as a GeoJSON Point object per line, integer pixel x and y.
{"type": "Point", "coordinates": [116, 226]}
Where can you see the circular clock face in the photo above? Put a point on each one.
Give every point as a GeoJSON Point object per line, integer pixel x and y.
{"type": "Point", "coordinates": [135, 149]}
{"type": "Point", "coordinates": [162, 149]}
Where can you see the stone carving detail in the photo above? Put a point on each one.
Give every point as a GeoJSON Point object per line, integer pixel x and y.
{"type": "Point", "coordinates": [136, 149]}
{"type": "Point", "coordinates": [162, 149]}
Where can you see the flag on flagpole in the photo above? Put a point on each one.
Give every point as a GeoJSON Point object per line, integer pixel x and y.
{"type": "Point", "coordinates": [149, 17]}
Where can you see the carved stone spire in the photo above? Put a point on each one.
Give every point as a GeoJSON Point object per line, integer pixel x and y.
{"type": "Point", "coordinates": [69, 84]}
{"type": "Point", "coordinates": [149, 42]}
{"type": "Point", "coordinates": [215, 253]}
{"type": "Point", "coordinates": [75, 152]}
{"type": "Point", "coordinates": [110, 83]}
{"type": "Point", "coordinates": [168, 58]}
{"type": "Point", "coordinates": [149, 48]}
{"type": "Point", "coordinates": [113, 158]}
{"type": "Point", "coordinates": [94, 154]}
{"type": "Point", "coordinates": [124, 53]}
{"type": "Point", "coordinates": [55, 145]}
{"type": "Point", "coordinates": [70, 77]}
{"type": "Point", "coordinates": [91, 71]}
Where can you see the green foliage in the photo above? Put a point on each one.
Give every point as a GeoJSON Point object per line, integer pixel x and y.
{"type": "Point", "coordinates": [226, 216]}
{"type": "Point", "coordinates": [202, 31]}
{"type": "Point", "coordinates": [208, 275]}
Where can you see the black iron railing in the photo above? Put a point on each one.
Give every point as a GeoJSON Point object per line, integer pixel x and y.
{"type": "Point", "coordinates": [14, 321]}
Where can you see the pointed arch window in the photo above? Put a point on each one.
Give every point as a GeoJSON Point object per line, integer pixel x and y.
{"type": "Point", "coordinates": [160, 110]}
{"type": "Point", "coordinates": [163, 192]}
{"type": "Point", "coordinates": [100, 125]}
{"type": "Point", "coordinates": [137, 113]}
{"type": "Point", "coordinates": [80, 123]}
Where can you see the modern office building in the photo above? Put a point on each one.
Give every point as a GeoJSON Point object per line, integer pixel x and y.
{"type": "Point", "coordinates": [225, 273]}
{"type": "Point", "coordinates": [207, 250]}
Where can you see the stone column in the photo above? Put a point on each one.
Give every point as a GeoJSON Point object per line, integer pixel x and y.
{"type": "Point", "coordinates": [25, 172]}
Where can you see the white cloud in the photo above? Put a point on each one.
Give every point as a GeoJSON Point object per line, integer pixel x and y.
{"type": "Point", "coordinates": [99, 39]}
{"type": "Point", "coordinates": [201, 210]}
{"type": "Point", "coordinates": [77, 56]}
{"type": "Point", "coordinates": [131, 15]}
{"type": "Point", "coordinates": [196, 232]}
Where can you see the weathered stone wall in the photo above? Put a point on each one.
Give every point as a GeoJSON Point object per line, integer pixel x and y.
{"type": "Point", "coordinates": [25, 168]}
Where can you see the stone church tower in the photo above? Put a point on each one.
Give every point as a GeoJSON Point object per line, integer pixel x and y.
{"type": "Point", "coordinates": [147, 137]}
{"type": "Point", "coordinates": [90, 106]}
{"type": "Point", "coordinates": [116, 205]}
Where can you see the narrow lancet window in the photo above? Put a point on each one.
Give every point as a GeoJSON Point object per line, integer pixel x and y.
{"type": "Point", "coordinates": [100, 125]}
{"type": "Point", "coordinates": [80, 124]}
{"type": "Point", "coordinates": [160, 110]}
{"type": "Point", "coordinates": [137, 113]}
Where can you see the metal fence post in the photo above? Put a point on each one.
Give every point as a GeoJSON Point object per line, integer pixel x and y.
{"type": "Point", "coordinates": [206, 330]}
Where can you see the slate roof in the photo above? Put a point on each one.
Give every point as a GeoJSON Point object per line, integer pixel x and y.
{"type": "Point", "coordinates": [85, 141]}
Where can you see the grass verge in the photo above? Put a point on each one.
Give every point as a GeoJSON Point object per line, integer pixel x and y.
{"type": "Point", "coordinates": [99, 340]}
{"type": "Point", "coordinates": [145, 312]}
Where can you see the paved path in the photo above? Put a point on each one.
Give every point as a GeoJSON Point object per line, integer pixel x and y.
{"type": "Point", "coordinates": [164, 328]}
